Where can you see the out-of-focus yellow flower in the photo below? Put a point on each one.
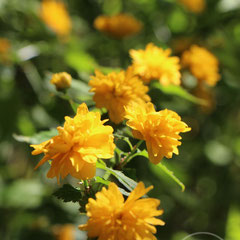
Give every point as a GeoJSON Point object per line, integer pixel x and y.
{"type": "Point", "coordinates": [116, 91]}
{"type": "Point", "coordinates": [202, 64]}
{"type": "Point", "coordinates": [55, 15]}
{"type": "Point", "coordinates": [160, 130]}
{"type": "Point", "coordinates": [4, 50]}
{"type": "Point", "coordinates": [65, 232]}
{"type": "Point", "coordinates": [61, 80]}
{"type": "Point", "coordinates": [4, 46]}
{"type": "Point", "coordinates": [156, 63]}
{"type": "Point", "coordinates": [196, 6]}
{"type": "Point", "coordinates": [207, 95]}
{"type": "Point", "coordinates": [119, 26]}
{"type": "Point", "coordinates": [79, 143]}
{"type": "Point", "coordinates": [110, 218]}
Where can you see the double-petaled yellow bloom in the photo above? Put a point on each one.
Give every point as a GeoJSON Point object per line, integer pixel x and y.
{"type": "Point", "coordinates": [196, 6]}
{"type": "Point", "coordinates": [79, 143]}
{"type": "Point", "coordinates": [55, 15]}
{"type": "Point", "coordinates": [202, 64]}
{"type": "Point", "coordinates": [110, 218]}
{"type": "Point", "coordinates": [119, 26]}
{"type": "Point", "coordinates": [61, 80]}
{"type": "Point", "coordinates": [156, 63]}
{"type": "Point", "coordinates": [160, 130]}
{"type": "Point", "coordinates": [115, 91]}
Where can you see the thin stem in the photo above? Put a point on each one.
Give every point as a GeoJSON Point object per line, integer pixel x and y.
{"type": "Point", "coordinates": [129, 156]}
{"type": "Point", "coordinates": [86, 185]}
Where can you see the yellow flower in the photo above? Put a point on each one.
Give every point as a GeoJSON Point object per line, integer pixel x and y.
{"type": "Point", "coordinates": [119, 26]}
{"type": "Point", "coordinates": [116, 91]}
{"type": "Point", "coordinates": [202, 64]}
{"type": "Point", "coordinates": [55, 15]}
{"type": "Point", "coordinates": [156, 63]}
{"type": "Point", "coordinates": [4, 46]}
{"type": "Point", "coordinates": [61, 80]}
{"type": "Point", "coordinates": [77, 146]}
{"type": "Point", "coordinates": [110, 218]}
{"type": "Point", "coordinates": [64, 232]}
{"type": "Point", "coordinates": [4, 50]}
{"type": "Point", "coordinates": [196, 6]}
{"type": "Point", "coordinates": [160, 130]}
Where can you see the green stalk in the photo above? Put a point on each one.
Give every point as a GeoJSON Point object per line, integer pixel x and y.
{"type": "Point", "coordinates": [129, 157]}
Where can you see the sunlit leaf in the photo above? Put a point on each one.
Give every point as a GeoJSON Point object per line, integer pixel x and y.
{"type": "Point", "coordinates": [233, 223]}
{"type": "Point", "coordinates": [178, 91]}
{"type": "Point", "coordinates": [81, 61]}
{"type": "Point", "coordinates": [169, 173]}
{"type": "Point", "coordinates": [101, 180]}
{"type": "Point", "coordinates": [38, 137]}
{"type": "Point", "coordinates": [129, 183]}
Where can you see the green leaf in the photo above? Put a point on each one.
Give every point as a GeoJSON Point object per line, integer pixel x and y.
{"type": "Point", "coordinates": [81, 61]}
{"type": "Point", "coordinates": [125, 139]}
{"type": "Point", "coordinates": [123, 191]}
{"type": "Point", "coordinates": [67, 193]}
{"type": "Point", "coordinates": [101, 180]}
{"type": "Point", "coordinates": [233, 223]}
{"type": "Point", "coordinates": [74, 105]}
{"type": "Point", "coordinates": [78, 92]}
{"type": "Point", "coordinates": [178, 91]}
{"type": "Point", "coordinates": [169, 173]}
{"type": "Point", "coordinates": [38, 137]}
{"type": "Point", "coordinates": [79, 88]}
{"type": "Point", "coordinates": [142, 153]}
{"type": "Point", "coordinates": [124, 180]}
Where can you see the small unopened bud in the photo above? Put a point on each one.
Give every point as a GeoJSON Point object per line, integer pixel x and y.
{"type": "Point", "coordinates": [61, 80]}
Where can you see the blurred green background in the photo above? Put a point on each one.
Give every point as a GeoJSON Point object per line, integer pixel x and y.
{"type": "Point", "coordinates": [209, 160]}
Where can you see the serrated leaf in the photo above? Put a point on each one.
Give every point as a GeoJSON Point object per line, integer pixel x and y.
{"type": "Point", "coordinates": [38, 137]}
{"type": "Point", "coordinates": [67, 193]}
{"type": "Point", "coordinates": [125, 193]}
{"type": "Point", "coordinates": [170, 173]}
{"type": "Point", "coordinates": [178, 91]}
{"type": "Point", "coordinates": [129, 183]}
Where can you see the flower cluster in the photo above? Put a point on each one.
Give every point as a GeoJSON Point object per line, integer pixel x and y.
{"type": "Point", "coordinates": [110, 218]}
{"type": "Point", "coordinates": [202, 64]}
{"type": "Point", "coordinates": [55, 15]}
{"type": "Point", "coordinates": [116, 91]}
{"type": "Point", "coordinates": [118, 26]}
{"type": "Point", "coordinates": [195, 6]}
{"type": "Point", "coordinates": [80, 142]}
{"type": "Point", "coordinates": [156, 63]}
{"type": "Point", "coordinates": [160, 130]}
